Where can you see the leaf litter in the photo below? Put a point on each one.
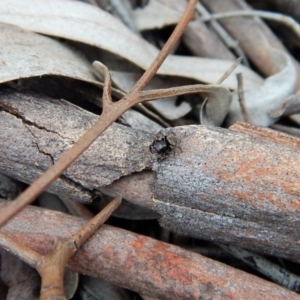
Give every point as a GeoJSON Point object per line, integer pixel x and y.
{"type": "Point", "coordinates": [266, 101]}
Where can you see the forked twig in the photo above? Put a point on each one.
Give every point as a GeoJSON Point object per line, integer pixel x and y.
{"type": "Point", "coordinates": [51, 266]}
{"type": "Point", "coordinates": [111, 111]}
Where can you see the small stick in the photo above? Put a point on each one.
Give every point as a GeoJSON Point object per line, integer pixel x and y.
{"type": "Point", "coordinates": [230, 70]}
{"type": "Point", "coordinates": [281, 18]}
{"type": "Point", "coordinates": [241, 97]}
{"type": "Point", "coordinates": [264, 266]}
{"type": "Point", "coordinates": [230, 42]}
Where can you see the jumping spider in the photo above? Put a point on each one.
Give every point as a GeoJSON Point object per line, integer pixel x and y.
{"type": "Point", "coordinates": [163, 145]}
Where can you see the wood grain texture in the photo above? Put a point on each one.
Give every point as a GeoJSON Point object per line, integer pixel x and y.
{"type": "Point", "coordinates": [140, 263]}
{"type": "Point", "coordinates": [233, 188]}
{"type": "Point", "coordinates": [216, 184]}
{"type": "Point", "coordinates": [37, 130]}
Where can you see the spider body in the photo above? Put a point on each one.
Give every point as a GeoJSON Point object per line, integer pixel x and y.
{"type": "Point", "coordinates": [163, 145]}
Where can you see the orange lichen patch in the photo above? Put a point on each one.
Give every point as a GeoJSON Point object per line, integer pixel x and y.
{"type": "Point", "coordinates": [264, 201]}
{"type": "Point", "coordinates": [139, 244]}
{"type": "Point", "coordinates": [289, 187]}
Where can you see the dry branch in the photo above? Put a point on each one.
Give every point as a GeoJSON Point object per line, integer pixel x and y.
{"type": "Point", "coordinates": [140, 263]}
{"type": "Point", "coordinates": [238, 188]}
{"type": "Point", "coordinates": [111, 111]}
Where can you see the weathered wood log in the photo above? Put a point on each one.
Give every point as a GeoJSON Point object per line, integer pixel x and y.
{"type": "Point", "coordinates": [215, 184]}
{"type": "Point", "coordinates": [140, 263]}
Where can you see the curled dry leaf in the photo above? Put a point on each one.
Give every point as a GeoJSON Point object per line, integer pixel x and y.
{"type": "Point", "coordinates": [253, 42]}
{"type": "Point", "coordinates": [136, 120]}
{"type": "Point", "coordinates": [271, 96]}
{"type": "Point", "coordinates": [201, 40]}
{"type": "Point", "coordinates": [215, 109]}
{"type": "Point", "coordinates": [71, 280]}
{"type": "Point", "coordinates": [87, 24]}
{"type": "Point", "coordinates": [291, 105]}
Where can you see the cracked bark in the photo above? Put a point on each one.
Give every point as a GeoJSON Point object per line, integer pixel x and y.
{"type": "Point", "coordinates": [222, 185]}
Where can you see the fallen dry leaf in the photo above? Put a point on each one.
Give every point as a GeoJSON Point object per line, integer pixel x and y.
{"type": "Point", "coordinates": [85, 23]}
{"type": "Point", "coordinates": [270, 96]}
{"type": "Point", "coordinates": [155, 15]}
{"type": "Point", "coordinates": [26, 54]}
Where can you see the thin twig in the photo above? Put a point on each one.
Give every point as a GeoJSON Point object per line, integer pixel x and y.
{"type": "Point", "coordinates": [241, 98]}
{"type": "Point", "coordinates": [177, 91]}
{"type": "Point", "coordinates": [230, 70]}
{"type": "Point", "coordinates": [171, 42]}
{"type": "Point", "coordinates": [26, 254]}
{"type": "Point", "coordinates": [90, 227]}
{"type": "Point", "coordinates": [110, 113]}
{"type": "Point", "coordinates": [262, 265]}
{"type": "Point", "coordinates": [230, 42]}
{"type": "Point", "coordinates": [51, 266]}
{"type": "Point", "coordinates": [155, 117]}
{"type": "Point", "coordinates": [281, 18]}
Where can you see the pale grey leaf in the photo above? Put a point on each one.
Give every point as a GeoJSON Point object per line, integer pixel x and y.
{"type": "Point", "coordinates": [87, 24]}
{"type": "Point", "coordinates": [155, 15]}
{"type": "Point", "coordinates": [261, 102]}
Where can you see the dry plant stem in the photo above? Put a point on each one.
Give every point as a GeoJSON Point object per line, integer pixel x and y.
{"type": "Point", "coordinates": [51, 267]}
{"type": "Point", "coordinates": [111, 111]}
{"type": "Point", "coordinates": [230, 70]}
{"type": "Point", "coordinates": [281, 18]}
{"type": "Point", "coordinates": [171, 42]}
{"type": "Point", "coordinates": [90, 227]}
{"type": "Point", "coordinates": [25, 253]}
{"type": "Point", "coordinates": [175, 91]}
{"type": "Point", "coordinates": [271, 270]}
{"type": "Point", "coordinates": [224, 35]}
{"type": "Point", "coordinates": [241, 97]}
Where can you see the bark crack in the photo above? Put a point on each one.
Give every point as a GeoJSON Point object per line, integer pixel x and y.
{"type": "Point", "coordinates": [165, 203]}
{"type": "Point", "coordinates": [92, 193]}
{"type": "Point", "coordinates": [19, 115]}
{"type": "Point", "coordinates": [37, 145]}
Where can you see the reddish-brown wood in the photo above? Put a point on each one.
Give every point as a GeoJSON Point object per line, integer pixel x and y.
{"type": "Point", "coordinates": [140, 263]}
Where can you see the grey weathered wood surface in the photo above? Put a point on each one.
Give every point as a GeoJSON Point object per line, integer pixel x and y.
{"type": "Point", "coordinates": [218, 184]}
